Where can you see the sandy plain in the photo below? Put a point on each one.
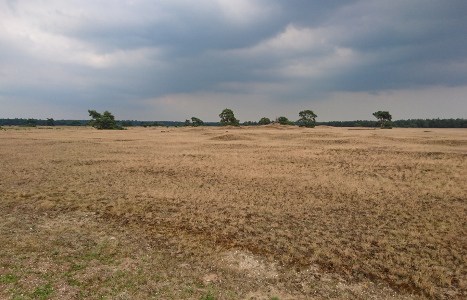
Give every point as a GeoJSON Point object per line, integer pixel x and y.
{"type": "Point", "coordinates": [267, 212]}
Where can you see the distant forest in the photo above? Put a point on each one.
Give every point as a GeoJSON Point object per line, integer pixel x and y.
{"type": "Point", "coordinates": [410, 123]}
{"type": "Point", "coordinates": [126, 123]}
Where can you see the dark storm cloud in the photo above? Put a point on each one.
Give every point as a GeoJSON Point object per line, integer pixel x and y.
{"type": "Point", "coordinates": [413, 41]}
{"type": "Point", "coordinates": [120, 53]}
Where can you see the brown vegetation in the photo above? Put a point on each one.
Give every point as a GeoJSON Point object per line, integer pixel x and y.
{"type": "Point", "coordinates": [240, 213]}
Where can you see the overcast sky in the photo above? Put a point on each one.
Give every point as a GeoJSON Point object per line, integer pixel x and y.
{"type": "Point", "coordinates": [175, 59]}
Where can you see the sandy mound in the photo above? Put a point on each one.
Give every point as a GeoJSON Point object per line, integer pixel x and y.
{"type": "Point", "coordinates": [276, 126]}
{"type": "Point", "coordinates": [231, 127]}
{"type": "Point", "coordinates": [229, 137]}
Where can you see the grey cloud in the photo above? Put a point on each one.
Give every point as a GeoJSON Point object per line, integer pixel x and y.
{"type": "Point", "coordinates": [406, 38]}
{"type": "Point", "coordinates": [203, 47]}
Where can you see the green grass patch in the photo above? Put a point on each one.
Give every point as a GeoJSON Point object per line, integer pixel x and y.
{"type": "Point", "coordinates": [9, 278]}
{"type": "Point", "coordinates": [42, 292]}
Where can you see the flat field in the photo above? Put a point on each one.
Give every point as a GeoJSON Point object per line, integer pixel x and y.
{"type": "Point", "coordinates": [267, 212]}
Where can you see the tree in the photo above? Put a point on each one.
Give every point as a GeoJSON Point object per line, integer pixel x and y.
{"type": "Point", "coordinates": [384, 118]}
{"type": "Point", "coordinates": [264, 121]}
{"type": "Point", "coordinates": [187, 123]}
{"type": "Point", "coordinates": [284, 121]}
{"type": "Point", "coordinates": [31, 123]}
{"type": "Point", "coordinates": [197, 122]}
{"type": "Point", "coordinates": [228, 118]}
{"type": "Point", "coordinates": [50, 122]}
{"type": "Point", "coordinates": [308, 118]}
{"type": "Point", "coordinates": [104, 121]}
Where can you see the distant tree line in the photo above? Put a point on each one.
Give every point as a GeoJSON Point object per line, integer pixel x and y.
{"type": "Point", "coordinates": [410, 123]}
{"type": "Point", "coordinates": [431, 123]}
{"type": "Point", "coordinates": [124, 123]}
{"type": "Point", "coordinates": [39, 122]}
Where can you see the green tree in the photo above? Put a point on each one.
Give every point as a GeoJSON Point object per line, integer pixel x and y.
{"type": "Point", "coordinates": [187, 123]}
{"type": "Point", "coordinates": [31, 123]}
{"type": "Point", "coordinates": [228, 118]}
{"type": "Point", "coordinates": [127, 123]}
{"type": "Point", "coordinates": [384, 118]}
{"type": "Point", "coordinates": [50, 122]}
{"type": "Point", "coordinates": [104, 121]}
{"type": "Point", "coordinates": [284, 121]}
{"type": "Point", "coordinates": [197, 122]}
{"type": "Point", "coordinates": [307, 118]}
{"type": "Point", "coordinates": [264, 121]}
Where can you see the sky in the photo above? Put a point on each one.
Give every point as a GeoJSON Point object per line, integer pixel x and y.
{"type": "Point", "coordinates": [177, 59]}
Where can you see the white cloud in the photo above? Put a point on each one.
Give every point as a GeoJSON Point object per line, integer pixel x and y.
{"type": "Point", "coordinates": [288, 43]}
{"type": "Point", "coordinates": [301, 53]}
{"type": "Point", "coordinates": [296, 39]}
{"type": "Point", "coordinates": [320, 67]}
{"type": "Point", "coordinates": [245, 12]}
{"type": "Point", "coordinates": [26, 30]}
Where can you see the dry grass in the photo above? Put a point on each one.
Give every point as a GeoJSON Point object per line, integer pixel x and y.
{"type": "Point", "coordinates": [252, 212]}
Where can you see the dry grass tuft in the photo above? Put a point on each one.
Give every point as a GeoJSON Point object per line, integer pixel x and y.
{"type": "Point", "coordinates": [230, 137]}
{"type": "Point", "coordinates": [267, 211]}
